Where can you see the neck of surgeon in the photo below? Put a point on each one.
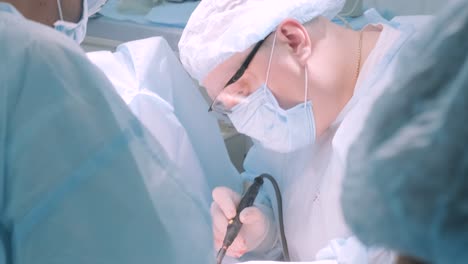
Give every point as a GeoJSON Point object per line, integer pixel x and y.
{"type": "Point", "coordinates": [47, 11]}
{"type": "Point", "coordinates": [337, 59]}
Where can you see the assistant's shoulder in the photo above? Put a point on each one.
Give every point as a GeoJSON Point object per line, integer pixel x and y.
{"type": "Point", "coordinates": [35, 55]}
{"type": "Point", "coordinates": [24, 40]}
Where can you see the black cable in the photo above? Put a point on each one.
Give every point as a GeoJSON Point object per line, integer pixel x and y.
{"type": "Point", "coordinates": [279, 200]}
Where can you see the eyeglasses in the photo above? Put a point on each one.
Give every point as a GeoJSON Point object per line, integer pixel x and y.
{"type": "Point", "coordinates": [226, 100]}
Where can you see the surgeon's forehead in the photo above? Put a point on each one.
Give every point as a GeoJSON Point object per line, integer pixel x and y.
{"type": "Point", "coordinates": [221, 74]}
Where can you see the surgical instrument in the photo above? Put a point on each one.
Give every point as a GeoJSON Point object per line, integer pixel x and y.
{"type": "Point", "coordinates": [247, 200]}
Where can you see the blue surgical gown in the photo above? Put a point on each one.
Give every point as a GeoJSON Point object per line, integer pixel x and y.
{"type": "Point", "coordinates": [82, 181]}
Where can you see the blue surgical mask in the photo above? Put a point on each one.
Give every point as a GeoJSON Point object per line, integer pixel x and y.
{"type": "Point", "coordinates": [76, 31]}
{"type": "Point", "coordinates": [261, 117]}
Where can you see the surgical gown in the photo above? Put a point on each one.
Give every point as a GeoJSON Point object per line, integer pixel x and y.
{"type": "Point", "coordinates": [310, 179]}
{"type": "Point", "coordinates": [415, 179]}
{"type": "Point", "coordinates": [82, 180]}
{"type": "Point", "coordinates": [150, 79]}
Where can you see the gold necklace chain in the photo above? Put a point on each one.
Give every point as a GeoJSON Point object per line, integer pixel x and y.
{"type": "Point", "coordinates": [358, 71]}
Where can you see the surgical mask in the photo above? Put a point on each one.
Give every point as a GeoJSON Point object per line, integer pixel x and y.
{"type": "Point", "coordinates": [261, 117]}
{"type": "Point", "coordinates": [76, 31]}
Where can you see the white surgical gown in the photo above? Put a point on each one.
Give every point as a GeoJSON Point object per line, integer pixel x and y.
{"type": "Point", "coordinates": [82, 181]}
{"type": "Point", "coordinates": [151, 80]}
{"type": "Point", "coordinates": [310, 179]}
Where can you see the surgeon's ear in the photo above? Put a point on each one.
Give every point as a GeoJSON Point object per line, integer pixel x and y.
{"type": "Point", "coordinates": [295, 35]}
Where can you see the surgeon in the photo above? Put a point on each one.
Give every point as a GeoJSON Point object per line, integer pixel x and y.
{"type": "Point", "coordinates": [82, 180]}
{"type": "Point", "coordinates": [300, 86]}
{"type": "Point", "coordinates": [413, 187]}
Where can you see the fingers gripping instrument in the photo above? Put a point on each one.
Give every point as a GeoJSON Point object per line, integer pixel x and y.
{"type": "Point", "coordinates": [235, 224]}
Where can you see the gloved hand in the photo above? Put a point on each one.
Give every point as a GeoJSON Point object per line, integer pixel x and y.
{"type": "Point", "coordinates": [255, 228]}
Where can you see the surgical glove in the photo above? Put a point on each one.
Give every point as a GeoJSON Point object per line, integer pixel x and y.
{"type": "Point", "coordinates": [256, 222]}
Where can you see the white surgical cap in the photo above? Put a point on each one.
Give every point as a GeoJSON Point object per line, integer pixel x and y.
{"type": "Point", "coordinates": [407, 183]}
{"type": "Point", "coordinates": [218, 29]}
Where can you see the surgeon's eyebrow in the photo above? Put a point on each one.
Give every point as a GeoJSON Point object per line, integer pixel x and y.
{"type": "Point", "coordinates": [245, 64]}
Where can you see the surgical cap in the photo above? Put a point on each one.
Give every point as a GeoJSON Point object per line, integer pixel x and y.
{"type": "Point", "coordinates": [218, 29]}
{"type": "Point", "coordinates": [407, 182]}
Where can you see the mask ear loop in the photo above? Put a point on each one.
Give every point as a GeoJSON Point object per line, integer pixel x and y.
{"type": "Point", "coordinates": [269, 61]}
{"type": "Point", "coordinates": [306, 83]}
{"type": "Point", "coordinates": [306, 88]}
{"type": "Point", "coordinates": [59, 5]}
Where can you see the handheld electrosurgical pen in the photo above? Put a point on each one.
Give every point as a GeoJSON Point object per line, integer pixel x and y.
{"type": "Point", "coordinates": [235, 224]}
